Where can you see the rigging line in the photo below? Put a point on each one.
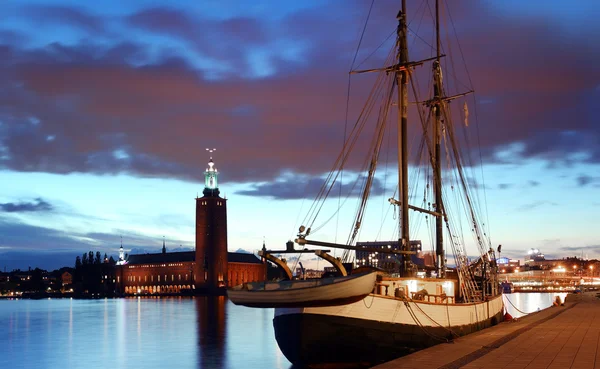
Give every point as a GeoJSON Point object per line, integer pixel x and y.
{"type": "Point", "coordinates": [420, 38]}
{"type": "Point", "coordinates": [464, 185]}
{"type": "Point", "coordinates": [362, 34]}
{"type": "Point", "coordinates": [347, 108]}
{"type": "Point", "coordinates": [375, 150]}
{"type": "Point", "coordinates": [418, 25]}
{"type": "Point", "coordinates": [417, 12]}
{"type": "Point", "coordinates": [476, 120]}
{"type": "Point", "coordinates": [378, 47]}
{"type": "Point", "coordinates": [344, 156]}
{"type": "Point", "coordinates": [324, 193]}
{"type": "Point", "coordinates": [385, 175]}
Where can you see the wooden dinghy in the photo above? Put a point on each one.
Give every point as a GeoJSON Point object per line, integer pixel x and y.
{"type": "Point", "coordinates": [304, 293]}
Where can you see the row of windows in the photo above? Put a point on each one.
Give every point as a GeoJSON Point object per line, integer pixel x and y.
{"type": "Point", "coordinates": [132, 278]}
{"type": "Point", "coordinates": [158, 289]}
{"type": "Point", "coordinates": [154, 265]}
{"type": "Point", "coordinates": [219, 203]}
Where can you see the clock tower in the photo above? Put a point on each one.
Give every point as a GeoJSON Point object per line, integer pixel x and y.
{"type": "Point", "coordinates": [211, 236]}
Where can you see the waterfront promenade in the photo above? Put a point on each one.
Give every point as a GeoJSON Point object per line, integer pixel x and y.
{"type": "Point", "coordinates": [559, 337]}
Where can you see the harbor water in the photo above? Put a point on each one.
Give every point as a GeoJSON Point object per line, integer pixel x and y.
{"type": "Point", "coordinates": [201, 332]}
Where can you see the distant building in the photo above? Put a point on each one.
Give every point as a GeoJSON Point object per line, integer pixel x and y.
{"type": "Point", "coordinates": [534, 256]}
{"type": "Point", "coordinates": [385, 260]}
{"type": "Point", "coordinates": [310, 273]}
{"type": "Point", "coordinates": [208, 269]}
{"type": "Point", "coordinates": [506, 262]}
{"type": "Point", "coordinates": [66, 278]}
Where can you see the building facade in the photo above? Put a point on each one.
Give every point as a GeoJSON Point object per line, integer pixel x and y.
{"type": "Point", "coordinates": [209, 269]}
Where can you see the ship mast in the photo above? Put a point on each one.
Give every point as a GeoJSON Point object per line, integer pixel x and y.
{"type": "Point", "coordinates": [437, 167]}
{"type": "Point", "coordinates": [402, 82]}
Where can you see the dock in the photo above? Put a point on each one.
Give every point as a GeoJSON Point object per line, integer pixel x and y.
{"type": "Point", "coordinates": [559, 337]}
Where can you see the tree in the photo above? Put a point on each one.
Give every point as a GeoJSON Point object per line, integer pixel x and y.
{"type": "Point", "coordinates": [112, 261]}
{"type": "Point", "coordinates": [77, 262]}
{"type": "Point", "coordinates": [98, 259]}
{"type": "Point", "coordinates": [105, 258]}
{"type": "Point", "coordinates": [84, 259]}
{"type": "Point", "coordinates": [91, 257]}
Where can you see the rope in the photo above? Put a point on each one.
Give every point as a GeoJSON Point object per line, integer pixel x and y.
{"type": "Point", "coordinates": [513, 305]}
{"type": "Point", "coordinates": [438, 324]}
{"type": "Point", "coordinates": [372, 298]}
{"type": "Point", "coordinates": [420, 325]}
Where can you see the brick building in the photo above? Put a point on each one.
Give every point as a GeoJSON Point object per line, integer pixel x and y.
{"type": "Point", "coordinates": [209, 269]}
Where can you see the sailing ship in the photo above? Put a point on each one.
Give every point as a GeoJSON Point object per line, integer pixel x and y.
{"type": "Point", "coordinates": [411, 306]}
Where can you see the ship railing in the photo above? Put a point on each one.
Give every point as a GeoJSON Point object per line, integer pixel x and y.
{"type": "Point", "coordinates": [438, 299]}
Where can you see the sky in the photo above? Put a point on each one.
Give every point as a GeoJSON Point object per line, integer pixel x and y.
{"type": "Point", "coordinates": [107, 108]}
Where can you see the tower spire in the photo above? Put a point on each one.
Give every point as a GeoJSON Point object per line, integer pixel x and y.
{"type": "Point", "coordinates": [211, 187]}
{"type": "Point", "coordinates": [164, 249]}
{"type": "Point", "coordinates": [121, 253]}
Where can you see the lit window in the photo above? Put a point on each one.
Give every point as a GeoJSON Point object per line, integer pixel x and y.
{"type": "Point", "coordinates": [159, 278]}
{"type": "Point", "coordinates": [180, 277]}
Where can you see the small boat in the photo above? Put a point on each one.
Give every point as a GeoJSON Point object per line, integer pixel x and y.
{"type": "Point", "coordinates": [330, 291]}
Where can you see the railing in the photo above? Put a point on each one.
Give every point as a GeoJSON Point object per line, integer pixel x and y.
{"type": "Point", "coordinates": [439, 299]}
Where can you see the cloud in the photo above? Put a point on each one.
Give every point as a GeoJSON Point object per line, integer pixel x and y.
{"type": "Point", "coordinates": [583, 180]}
{"type": "Point", "coordinates": [39, 205]}
{"type": "Point", "coordinates": [588, 251]}
{"type": "Point", "coordinates": [269, 92]}
{"type": "Point", "coordinates": [296, 186]}
{"type": "Point", "coordinates": [46, 259]}
{"type": "Point", "coordinates": [15, 235]}
{"type": "Point", "coordinates": [536, 204]}
{"type": "Point", "coordinates": [64, 15]}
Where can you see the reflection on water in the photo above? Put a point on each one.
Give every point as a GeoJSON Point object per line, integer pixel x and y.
{"type": "Point", "coordinates": [210, 320]}
{"type": "Point", "coordinates": [205, 332]}
{"type": "Point", "coordinates": [520, 304]}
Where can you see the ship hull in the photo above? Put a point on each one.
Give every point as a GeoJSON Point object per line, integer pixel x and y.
{"type": "Point", "coordinates": [376, 329]}
{"type": "Point", "coordinates": [304, 293]}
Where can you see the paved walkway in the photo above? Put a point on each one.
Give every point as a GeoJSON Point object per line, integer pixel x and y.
{"type": "Point", "coordinates": [557, 338]}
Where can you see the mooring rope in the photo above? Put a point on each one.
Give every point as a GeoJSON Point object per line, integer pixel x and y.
{"type": "Point", "coordinates": [516, 308]}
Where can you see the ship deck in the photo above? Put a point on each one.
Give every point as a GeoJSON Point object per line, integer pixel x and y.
{"type": "Point", "coordinates": [559, 337]}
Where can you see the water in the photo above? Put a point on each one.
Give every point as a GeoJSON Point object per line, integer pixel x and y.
{"type": "Point", "coordinates": [202, 332]}
{"type": "Point", "coordinates": [520, 304]}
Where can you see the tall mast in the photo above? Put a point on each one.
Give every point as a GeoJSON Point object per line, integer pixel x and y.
{"type": "Point", "coordinates": [438, 96]}
{"type": "Point", "coordinates": [402, 82]}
